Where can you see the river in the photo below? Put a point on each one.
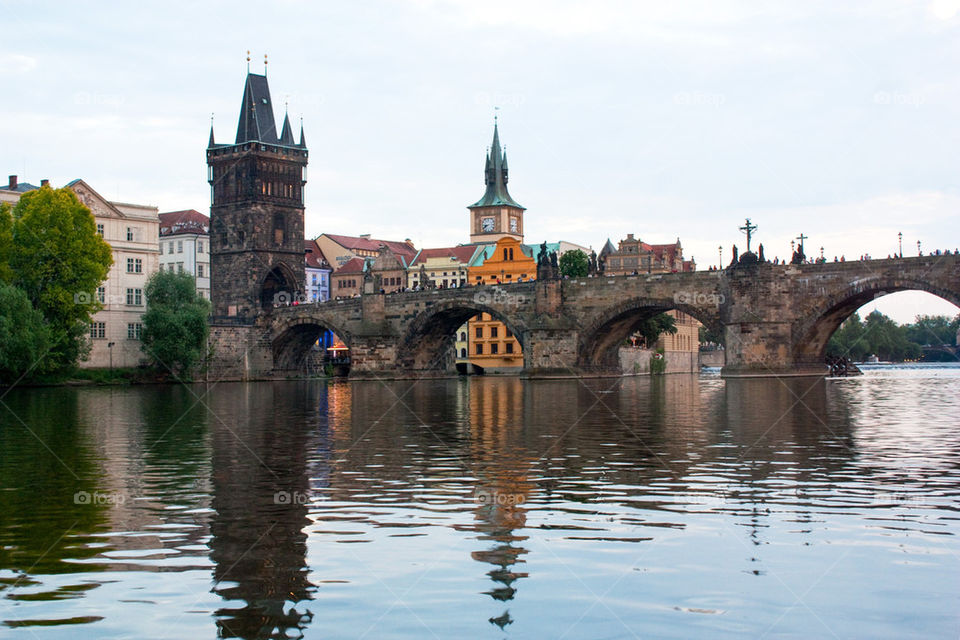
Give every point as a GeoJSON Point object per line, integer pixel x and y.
{"type": "Point", "coordinates": [677, 506]}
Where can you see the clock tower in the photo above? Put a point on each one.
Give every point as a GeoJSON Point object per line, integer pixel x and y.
{"type": "Point", "coordinates": [496, 215]}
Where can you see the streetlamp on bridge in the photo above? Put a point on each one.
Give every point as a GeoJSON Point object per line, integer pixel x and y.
{"type": "Point", "coordinates": [720, 256]}
{"type": "Point", "coordinates": [919, 253]}
{"type": "Point", "coordinates": [900, 242]}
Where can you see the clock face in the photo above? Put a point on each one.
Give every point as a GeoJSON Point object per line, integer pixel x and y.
{"type": "Point", "coordinates": [486, 224]}
{"type": "Point", "coordinates": [514, 224]}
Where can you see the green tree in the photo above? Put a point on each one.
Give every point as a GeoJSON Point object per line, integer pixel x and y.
{"type": "Point", "coordinates": [849, 340]}
{"type": "Point", "coordinates": [24, 336]}
{"type": "Point", "coordinates": [651, 328]}
{"type": "Point", "coordinates": [6, 242]}
{"type": "Point", "coordinates": [708, 335]}
{"type": "Point", "coordinates": [57, 258]}
{"type": "Point", "coordinates": [933, 330]}
{"type": "Point", "coordinates": [175, 323]}
{"type": "Point", "coordinates": [574, 264]}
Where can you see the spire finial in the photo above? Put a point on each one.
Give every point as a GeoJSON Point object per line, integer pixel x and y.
{"type": "Point", "coordinates": [248, 60]}
{"type": "Point", "coordinates": [264, 64]}
{"type": "Point", "coordinates": [495, 115]}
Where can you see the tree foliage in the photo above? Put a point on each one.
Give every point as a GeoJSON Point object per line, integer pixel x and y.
{"type": "Point", "coordinates": [175, 323]}
{"type": "Point", "coordinates": [651, 328]}
{"type": "Point", "coordinates": [877, 335]}
{"type": "Point", "coordinates": [24, 336]}
{"type": "Point", "coordinates": [57, 258]}
{"type": "Point", "coordinates": [934, 331]}
{"type": "Point", "coordinates": [574, 264]}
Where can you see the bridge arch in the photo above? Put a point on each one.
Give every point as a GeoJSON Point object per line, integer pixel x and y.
{"type": "Point", "coordinates": [602, 335]}
{"type": "Point", "coordinates": [812, 332]}
{"type": "Point", "coordinates": [427, 343]}
{"type": "Point", "coordinates": [293, 340]}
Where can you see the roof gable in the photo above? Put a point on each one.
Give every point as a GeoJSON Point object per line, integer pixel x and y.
{"type": "Point", "coordinates": [98, 205]}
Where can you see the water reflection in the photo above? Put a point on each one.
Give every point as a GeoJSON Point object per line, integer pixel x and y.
{"type": "Point", "coordinates": [260, 490]}
{"type": "Point", "coordinates": [668, 506]}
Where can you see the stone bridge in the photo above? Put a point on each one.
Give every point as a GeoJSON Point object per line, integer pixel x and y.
{"type": "Point", "coordinates": [777, 319]}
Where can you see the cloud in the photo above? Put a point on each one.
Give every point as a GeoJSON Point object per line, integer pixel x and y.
{"type": "Point", "coordinates": [15, 64]}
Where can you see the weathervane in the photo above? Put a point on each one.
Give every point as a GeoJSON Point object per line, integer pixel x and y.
{"type": "Point", "coordinates": [748, 229]}
{"type": "Point", "coordinates": [248, 60]}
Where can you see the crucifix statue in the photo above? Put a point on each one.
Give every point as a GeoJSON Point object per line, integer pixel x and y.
{"type": "Point", "coordinates": [748, 229]}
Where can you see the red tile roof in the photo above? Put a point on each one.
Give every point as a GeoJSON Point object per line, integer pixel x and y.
{"type": "Point", "coordinates": [372, 244]}
{"type": "Point", "coordinates": [461, 253]}
{"type": "Point", "coordinates": [314, 256]}
{"type": "Point", "coordinates": [187, 221]}
{"type": "Point", "coordinates": [353, 265]}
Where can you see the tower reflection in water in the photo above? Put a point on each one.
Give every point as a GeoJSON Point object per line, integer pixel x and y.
{"type": "Point", "coordinates": [260, 488]}
{"type": "Point", "coordinates": [503, 486]}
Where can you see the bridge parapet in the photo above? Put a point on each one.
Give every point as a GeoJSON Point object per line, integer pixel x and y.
{"type": "Point", "coordinates": [776, 318]}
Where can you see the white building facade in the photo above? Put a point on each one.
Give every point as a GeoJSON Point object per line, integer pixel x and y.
{"type": "Point", "coordinates": [185, 246]}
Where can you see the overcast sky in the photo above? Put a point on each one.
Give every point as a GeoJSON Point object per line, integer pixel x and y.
{"type": "Point", "coordinates": [666, 120]}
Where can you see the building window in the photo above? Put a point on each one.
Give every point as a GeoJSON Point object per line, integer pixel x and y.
{"type": "Point", "coordinates": [494, 347]}
{"type": "Point", "coordinates": [509, 347]}
{"type": "Point", "coordinates": [200, 270]}
{"type": "Point", "coordinates": [134, 330]}
{"type": "Point", "coordinates": [134, 265]}
{"type": "Point", "coordinates": [101, 294]}
{"type": "Point", "coordinates": [479, 349]}
{"type": "Point", "coordinates": [179, 267]}
{"type": "Point", "coordinates": [463, 336]}
{"type": "Point", "coordinates": [135, 297]}
{"type": "Point", "coordinates": [179, 246]}
{"type": "Point", "coordinates": [129, 234]}
{"type": "Point", "coordinates": [463, 353]}
{"type": "Point", "coordinates": [170, 247]}
{"type": "Point", "coordinates": [493, 332]}
{"type": "Point", "coordinates": [98, 330]}
{"type": "Point", "coordinates": [199, 247]}
{"type": "Point", "coordinates": [479, 332]}
{"type": "Point", "coordinates": [509, 333]}
{"type": "Point", "coordinates": [100, 230]}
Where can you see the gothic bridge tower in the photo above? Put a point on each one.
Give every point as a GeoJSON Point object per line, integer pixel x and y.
{"type": "Point", "coordinates": [256, 210]}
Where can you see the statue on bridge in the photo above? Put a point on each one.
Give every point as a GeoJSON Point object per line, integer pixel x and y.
{"type": "Point", "coordinates": [592, 268]}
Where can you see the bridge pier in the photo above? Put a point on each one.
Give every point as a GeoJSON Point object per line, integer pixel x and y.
{"type": "Point", "coordinates": [764, 350]}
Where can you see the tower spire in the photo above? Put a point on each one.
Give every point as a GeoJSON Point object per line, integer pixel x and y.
{"type": "Point", "coordinates": [495, 174]}
{"type": "Point", "coordinates": [211, 143]}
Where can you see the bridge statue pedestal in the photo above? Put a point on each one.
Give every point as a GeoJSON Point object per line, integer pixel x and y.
{"type": "Point", "coordinates": [764, 350]}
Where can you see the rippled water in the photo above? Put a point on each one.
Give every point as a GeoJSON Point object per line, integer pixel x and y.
{"type": "Point", "coordinates": [485, 508]}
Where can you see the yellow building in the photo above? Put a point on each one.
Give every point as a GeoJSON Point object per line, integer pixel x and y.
{"type": "Point", "coordinates": [491, 345]}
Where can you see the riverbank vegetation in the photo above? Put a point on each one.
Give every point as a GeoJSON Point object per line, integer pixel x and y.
{"type": "Point", "coordinates": [930, 338]}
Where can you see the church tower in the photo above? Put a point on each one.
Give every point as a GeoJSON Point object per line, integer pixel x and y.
{"type": "Point", "coordinates": [256, 210]}
{"type": "Point", "coordinates": [496, 215]}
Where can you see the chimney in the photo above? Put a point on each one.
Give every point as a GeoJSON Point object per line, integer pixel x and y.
{"type": "Point", "coordinates": [44, 183]}
{"type": "Point", "coordinates": [13, 183]}
{"type": "Point", "coordinates": [365, 236]}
